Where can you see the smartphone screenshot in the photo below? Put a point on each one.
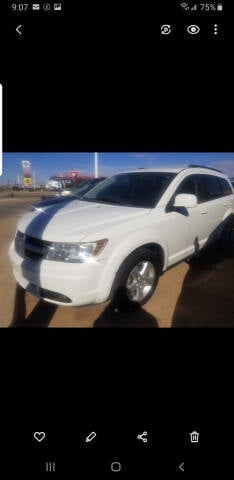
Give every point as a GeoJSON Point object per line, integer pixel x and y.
{"type": "Point", "coordinates": [117, 239]}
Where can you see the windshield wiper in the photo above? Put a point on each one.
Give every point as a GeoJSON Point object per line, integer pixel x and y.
{"type": "Point", "coordinates": [112, 201]}
{"type": "Point", "coordinates": [106, 200]}
{"type": "Point", "coordinates": [109, 200]}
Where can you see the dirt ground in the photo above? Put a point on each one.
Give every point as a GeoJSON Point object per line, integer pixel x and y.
{"type": "Point", "coordinates": [198, 295]}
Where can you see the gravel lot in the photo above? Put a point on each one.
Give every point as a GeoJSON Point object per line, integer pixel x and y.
{"type": "Point", "coordinates": [201, 295]}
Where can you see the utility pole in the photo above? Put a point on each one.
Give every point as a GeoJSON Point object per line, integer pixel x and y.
{"type": "Point", "coordinates": [96, 165]}
{"type": "Point", "coordinates": [34, 180]}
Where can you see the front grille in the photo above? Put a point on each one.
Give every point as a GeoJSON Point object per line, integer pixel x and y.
{"type": "Point", "coordinates": [32, 255]}
{"type": "Point", "coordinates": [30, 247]}
{"type": "Point", "coordinates": [36, 241]}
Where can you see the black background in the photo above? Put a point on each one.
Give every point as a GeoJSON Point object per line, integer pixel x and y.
{"type": "Point", "coordinates": [103, 79]}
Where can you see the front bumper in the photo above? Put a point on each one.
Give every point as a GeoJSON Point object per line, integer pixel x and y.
{"type": "Point", "coordinates": [61, 283]}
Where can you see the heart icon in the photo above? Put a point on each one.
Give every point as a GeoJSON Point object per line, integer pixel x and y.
{"type": "Point", "coordinates": [39, 436]}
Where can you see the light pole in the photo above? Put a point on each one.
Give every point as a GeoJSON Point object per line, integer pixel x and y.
{"type": "Point", "coordinates": [96, 165]}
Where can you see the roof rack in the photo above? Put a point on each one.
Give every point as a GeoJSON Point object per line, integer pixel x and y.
{"type": "Point", "coordinates": [202, 166]}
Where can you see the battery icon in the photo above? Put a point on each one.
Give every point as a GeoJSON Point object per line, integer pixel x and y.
{"type": "Point", "coordinates": [220, 7]}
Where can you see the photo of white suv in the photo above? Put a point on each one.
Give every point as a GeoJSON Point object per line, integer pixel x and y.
{"type": "Point", "coordinates": [126, 231]}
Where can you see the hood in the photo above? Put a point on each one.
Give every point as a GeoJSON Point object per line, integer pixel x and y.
{"type": "Point", "coordinates": [52, 201]}
{"type": "Point", "coordinates": [73, 221]}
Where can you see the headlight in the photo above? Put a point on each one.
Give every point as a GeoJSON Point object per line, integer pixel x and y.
{"type": "Point", "coordinates": [74, 252]}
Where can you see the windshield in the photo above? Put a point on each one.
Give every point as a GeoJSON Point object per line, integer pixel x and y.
{"type": "Point", "coordinates": [143, 189]}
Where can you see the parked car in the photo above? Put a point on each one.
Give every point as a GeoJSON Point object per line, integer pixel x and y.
{"type": "Point", "coordinates": [126, 231]}
{"type": "Point", "coordinates": [70, 194]}
{"type": "Point", "coordinates": [83, 187]}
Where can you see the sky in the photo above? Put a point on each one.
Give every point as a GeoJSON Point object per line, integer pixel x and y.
{"type": "Point", "coordinates": [46, 164]}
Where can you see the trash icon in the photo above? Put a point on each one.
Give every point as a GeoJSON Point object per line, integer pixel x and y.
{"type": "Point", "coordinates": [194, 437]}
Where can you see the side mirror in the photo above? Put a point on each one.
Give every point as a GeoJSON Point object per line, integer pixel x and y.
{"type": "Point", "coordinates": [185, 200]}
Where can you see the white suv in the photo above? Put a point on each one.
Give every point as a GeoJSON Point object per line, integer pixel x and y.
{"type": "Point", "coordinates": [124, 232]}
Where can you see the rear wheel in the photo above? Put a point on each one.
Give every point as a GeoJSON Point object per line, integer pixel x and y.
{"type": "Point", "coordinates": [139, 275]}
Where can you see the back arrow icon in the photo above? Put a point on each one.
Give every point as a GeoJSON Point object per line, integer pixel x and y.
{"type": "Point", "coordinates": [181, 467]}
{"type": "Point", "coordinates": [18, 29]}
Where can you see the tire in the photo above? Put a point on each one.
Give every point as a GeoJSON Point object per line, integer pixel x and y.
{"type": "Point", "coordinates": [143, 265]}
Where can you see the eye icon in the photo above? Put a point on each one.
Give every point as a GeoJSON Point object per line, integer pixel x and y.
{"type": "Point", "coordinates": [193, 29]}
{"type": "Point", "coordinates": [165, 29]}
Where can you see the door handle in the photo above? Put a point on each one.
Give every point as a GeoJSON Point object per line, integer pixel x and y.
{"type": "Point", "coordinates": [203, 212]}
{"type": "Point", "coordinates": [225, 204]}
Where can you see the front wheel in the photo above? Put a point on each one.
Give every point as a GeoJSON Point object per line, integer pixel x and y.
{"type": "Point", "coordinates": [139, 275]}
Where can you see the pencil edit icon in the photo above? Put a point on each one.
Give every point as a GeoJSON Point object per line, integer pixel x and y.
{"type": "Point", "coordinates": [90, 437]}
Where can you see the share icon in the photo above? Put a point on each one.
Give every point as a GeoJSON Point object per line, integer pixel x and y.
{"type": "Point", "coordinates": [143, 437]}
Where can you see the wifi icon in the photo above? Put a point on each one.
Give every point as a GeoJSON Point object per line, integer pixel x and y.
{"type": "Point", "coordinates": [185, 6]}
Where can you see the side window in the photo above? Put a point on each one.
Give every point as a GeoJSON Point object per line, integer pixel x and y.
{"type": "Point", "coordinates": [209, 188]}
{"type": "Point", "coordinates": [226, 189]}
{"type": "Point", "coordinates": [187, 185]}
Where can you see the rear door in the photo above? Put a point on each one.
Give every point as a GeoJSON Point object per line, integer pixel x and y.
{"type": "Point", "coordinates": [211, 207]}
{"type": "Point", "coordinates": [227, 199]}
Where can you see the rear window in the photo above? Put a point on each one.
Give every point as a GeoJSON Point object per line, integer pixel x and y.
{"type": "Point", "coordinates": [210, 188]}
{"type": "Point", "coordinates": [226, 189]}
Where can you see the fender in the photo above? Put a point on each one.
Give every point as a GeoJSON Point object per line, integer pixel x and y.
{"type": "Point", "coordinates": [122, 251]}
{"type": "Point", "coordinates": [228, 213]}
